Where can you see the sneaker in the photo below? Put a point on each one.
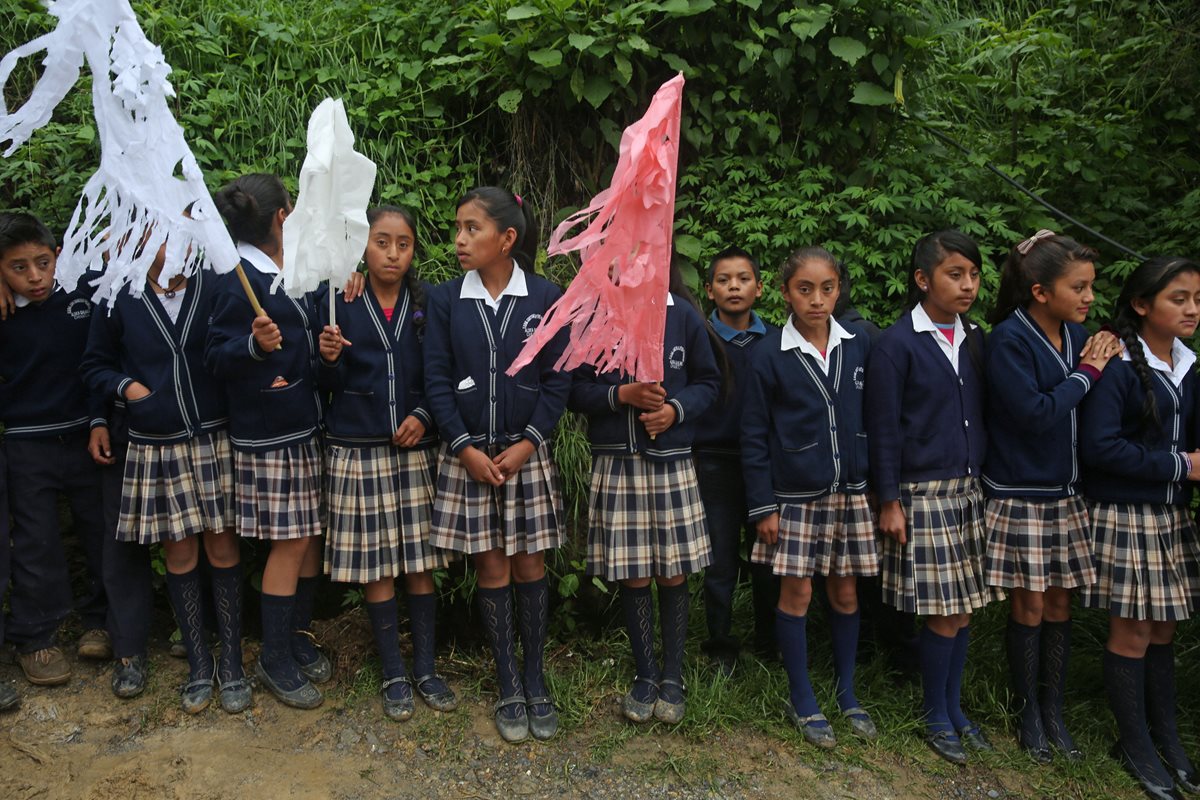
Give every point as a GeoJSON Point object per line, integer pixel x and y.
{"type": "Point", "coordinates": [45, 667]}
{"type": "Point", "coordinates": [95, 644]}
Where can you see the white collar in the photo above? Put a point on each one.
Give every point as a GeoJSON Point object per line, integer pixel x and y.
{"type": "Point", "coordinates": [670, 299]}
{"type": "Point", "coordinates": [258, 259]}
{"type": "Point", "coordinates": [792, 339]}
{"type": "Point", "coordinates": [473, 289]}
{"type": "Point", "coordinates": [20, 300]}
{"type": "Point", "coordinates": [1181, 354]}
{"type": "Point", "coordinates": [922, 323]}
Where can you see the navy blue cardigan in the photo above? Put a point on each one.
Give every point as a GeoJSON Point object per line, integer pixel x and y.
{"type": "Point", "coordinates": [719, 430]}
{"type": "Point", "coordinates": [380, 378]}
{"type": "Point", "coordinates": [467, 349]}
{"type": "Point", "coordinates": [924, 422]}
{"type": "Point", "coordinates": [262, 418]}
{"type": "Point", "coordinates": [42, 393]}
{"type": "Point", "coordinates": [135, 340]}
{"type": "Point", "coordinates": [1033, 396]}
{"type": "Point", "coordinates": [1124, 464]}
{"type": "Point", "coordinates": [803, 435]}
{"type": "Point", "coordinates": [690, 377]}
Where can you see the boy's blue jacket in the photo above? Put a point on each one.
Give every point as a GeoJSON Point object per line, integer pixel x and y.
{"type": "Point", "coordinates": [380, 378]}
{"type": "Point", "coordinates": [803, 432]}
{"type": "Point", "coordinates": [719, 430]}
{"type": "Point", "coordinates": [924, 422]}
{"type": "Point", "coordinates": [1034, 393]}
{"type": "Point", "coordinates": [468, 349]}
{"type": "Point", "coordinates": [691, 379]}
{"type": "Point", "coordinates": [263, 417]}
{"type": "Point", "coordinates": [135, 340]}
{"type": "Point", "coordinates": [1123, 463]}
{"type": "Point", "coordinates": [41, 390]}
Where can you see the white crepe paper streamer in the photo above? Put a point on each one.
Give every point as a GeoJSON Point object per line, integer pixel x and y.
{"type": "Point", "coordinates": [147, 179]}
{"type": "Point", "coordinates": [326, 233]}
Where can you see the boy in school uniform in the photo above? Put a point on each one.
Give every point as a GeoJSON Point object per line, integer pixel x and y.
{"type": "Point", "coordinates": [733, 284]}
{"type": "Point", "coordinates": [55, 436]}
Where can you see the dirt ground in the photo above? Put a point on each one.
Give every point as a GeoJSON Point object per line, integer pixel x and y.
{"type": "Point", "coordinates": [78, 741]}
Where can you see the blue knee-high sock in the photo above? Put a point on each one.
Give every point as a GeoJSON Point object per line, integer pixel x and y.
{"type": "Point", "coordinates": [673, 604]}
{"type": "Point", "coordinates": [227, 601]}
{"type": "Point", "coordinates": [186, 600]}
{"type": "Point", "coordinates": [387, 642]}
{"type": "Point", "coordinates": [936, 653]}
{"type": "Point", "coordinates": [422, 613]}
{"type": "Point", "coordinates": [303, 649]}
{"type": "Point", "coordinates": [958, 664]}
{"type": "Point", "coordinates": [533, 617]}
{"type": "Point", "coordinates": [638, 607]}
{"type": "Point", "coordinates": [1125, 679]}
{"type": "Point", "coordinates": [843, 632]}
{"type": "Point", "coordinates": [276, 654]}
{"type": "Point", "coordinates": [792, 634]}
{"type": "Point", "coordinates": [496, 611]}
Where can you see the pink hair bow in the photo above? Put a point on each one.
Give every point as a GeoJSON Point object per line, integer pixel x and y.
{"type": "Point", "coordinates": [1024, 247]}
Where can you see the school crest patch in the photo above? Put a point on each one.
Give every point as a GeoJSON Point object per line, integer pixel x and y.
{"type": "Point", "coordinates": [858, 377]}
{"type": "Point", "coordinates": [79, 308]}
{"type": "Point", "coordinates": [530, 324]}
{"type": "Point", "coordinates": [676, 357]}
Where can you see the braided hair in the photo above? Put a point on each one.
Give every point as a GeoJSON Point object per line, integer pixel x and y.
{"type": "Point", "coordinates": [412, 283]}
{"type": "Point", "coordinates": [1042, 265]}
{"type": "Point", "coordinates": [1145, 283]}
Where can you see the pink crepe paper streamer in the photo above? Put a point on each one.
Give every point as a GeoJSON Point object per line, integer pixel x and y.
{"type": "Point", "coordinates": [617, 304]}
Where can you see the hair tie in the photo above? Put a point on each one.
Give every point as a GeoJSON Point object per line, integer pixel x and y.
{"type": "Point", "coordinates": [520, 202]}
{"type": "Point", "coordinates": [1024, 247]}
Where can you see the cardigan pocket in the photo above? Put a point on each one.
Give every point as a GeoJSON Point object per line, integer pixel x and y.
{"type": "Point", "coordinates": [285, 409]}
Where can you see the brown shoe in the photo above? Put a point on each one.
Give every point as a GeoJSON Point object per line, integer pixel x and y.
{"type": "Point", "coordinates": [45, 667]}
{"type": "Point", "coordinates": [95, 643]}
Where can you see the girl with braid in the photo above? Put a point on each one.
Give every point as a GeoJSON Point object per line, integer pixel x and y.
{"type": "Point", "coordinates": [1136, 443]}
{"type": "Point", "coordinates": [1040, 365]}
{"type": "Point", "coordinates": [381, 456]}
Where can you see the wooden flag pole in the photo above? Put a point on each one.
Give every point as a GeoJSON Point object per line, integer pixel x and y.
{"type": "Point", "coordinates": [249, 290]}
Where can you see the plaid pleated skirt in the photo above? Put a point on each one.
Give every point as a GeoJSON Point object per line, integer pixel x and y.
{"type": "Point", "coordinates": [940, 570]}
{"type": "Point", "coordinates": [1037, 545]}
{"type": "Point", "coordinates": [1141, 561]}
{"type": "Point", "coordinates": [647, 519]}
{"type": "Point", "coordinates": [279, 492]}
{"type": "Point", "coordinates": [522, 515]}
{"type": "Point", "coordinates": [173, 491]}
{"type": "Point", "coordinates": [831, 535]}
{"type": "Point", "coordinates": [380, 510]}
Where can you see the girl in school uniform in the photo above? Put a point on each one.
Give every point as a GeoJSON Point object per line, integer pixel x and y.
{"type": "Point", "coordinates": [804, 456]}
{"type": "Point", "coordinates": [1040, 365]}
{"type": "Point", "coordinates": [268, 364]}
{"type": "Point", "coordinates": [148, 351]}
{"type": "Point", "coordinates": [924, 408]}
{"type": "Point", "coordinates": [498, 496]}
{"type": "Point", "coordinates": [647, 518]}
{"type": "Point", "coordinates": [1137, 446]}
{"type": "Point", "coordinates": [380, 465]}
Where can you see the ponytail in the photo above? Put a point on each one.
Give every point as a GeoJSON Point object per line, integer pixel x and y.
{"type": "Point", "coordinates": [1039, 260]}
{"type": "Point", "coordinates": [508, 210]}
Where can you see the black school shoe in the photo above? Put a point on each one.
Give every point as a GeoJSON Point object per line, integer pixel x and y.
{"type": "Point", "coordinates": [972, 738]}
{"type": "Point", "coordinates": [1151, 787]}
{"type": "Point", "coordinates": [305, 697]}
{"type": "Point", "coordinates": [129, 677]}
{"type": "Point", "coordinates": [9, 699]}
{"type": "Point", "coordinates": [948, 746]}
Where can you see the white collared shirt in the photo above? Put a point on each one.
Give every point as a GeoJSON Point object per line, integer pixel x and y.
{"type": "Point", "coordinates": [473, 288]}
{"type": "Point", "coordinates": [792, 339]}
{"type": "Point", "coordinates": [922, 323]}
{"type": "Point", "coordinates": [258, 259]}
{"type": "Point", "coordinates": [1181, 354]}
{"type": "Point", "coordinates": [20, 300]}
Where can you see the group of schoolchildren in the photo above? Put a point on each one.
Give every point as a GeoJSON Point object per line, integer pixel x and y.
{"type": "Point", "coordinates": [948, 470]}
